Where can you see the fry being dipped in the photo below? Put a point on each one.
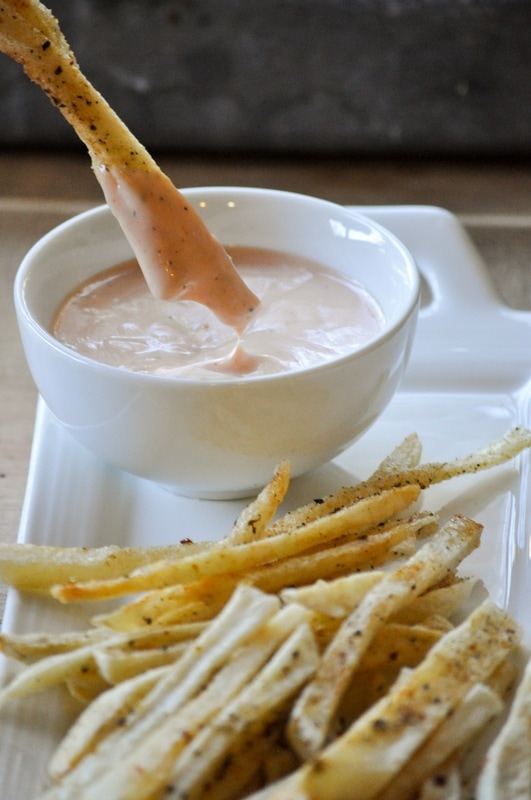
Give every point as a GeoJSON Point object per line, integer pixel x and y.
{"type": "Point", "coordinates": [176, 252]}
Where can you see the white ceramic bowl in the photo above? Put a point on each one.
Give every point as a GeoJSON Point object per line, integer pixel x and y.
{"type": "Point", "coordinates": [221, 439]}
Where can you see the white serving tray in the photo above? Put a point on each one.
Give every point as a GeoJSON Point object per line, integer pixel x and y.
{"type": "Point", "coordinates": [467, 383]}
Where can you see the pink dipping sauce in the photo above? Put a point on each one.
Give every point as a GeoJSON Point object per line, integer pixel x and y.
{"type": "Point", "coordinates": [308, 314]}
{"type": "Point", "coordinates": [178, 255]}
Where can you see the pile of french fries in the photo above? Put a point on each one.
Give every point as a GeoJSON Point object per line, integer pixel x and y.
{"type": "Point", "coordinates": [333, 652]}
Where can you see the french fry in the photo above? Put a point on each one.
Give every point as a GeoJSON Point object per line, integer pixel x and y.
{"type": "Point", "coordinates": [314, 710]}
{"type": "Point", "coordinates": [445, 784]}
{"type": "Point", "coordinates": [444, 601]}
{"type": "Point", "coordinates": [36, 568]}
{"type": "Point", "coordinates": [161, 607]}
{"type": "Point", "coordinates": [29, 648]}
{"type": "Point", "coordinates": [248, 716]}
{"type": "Point", "coordinates": [399, 646]}
{"type": "Point", "coordinates": [376, 747]}
{"type": "Point", "coordinates": [394, 648]}
{"type": "Point", "coordinates": [183, 604]}
{"type": "Point", "coordinates": [245, 613]}
{"type": "Point", "coordinates": [495, 453]}
{"type": "Point", "coordinates": [329, 637]}
{"type": "Point", "coordinates": [115, 665]}
{"type": "Point", "coordinates": [336, 598]}
{"type": "Point", "coordinates": [86, 686]}
{"type": "Point", "coordinates": [405, 456]}
{"type": "Point", "coordinates": [49, 672]}
{"type": "Point", "coordinates": [249, 767]}
{"type": "Point", "coordinates": [477, 710]}
{"type": "Point", "coordinates": [56, 669]}
{"type": "Point", "coordinates": [364, 760]}
{"type": "Point", "coordinates": [203, 599]}
{"type": "Point", "coordinates": [376, 547]}
{"type": "Point", "coordinates": [30, 34]}
{"type": "Point", "coordinates": [254, 519]}
{"type": "Point", "coordinates": [148, 746]}
{"type": "Point", "coordinates": [507, 768]}
{"type": "Point", "coordinates": [76, 658]}
{"type": "Point", "coordinates": [99, 719]}
{"type": "Point", "coordinates": [177, 614]}
{"type": "Point", "coordinates": [368, 512]}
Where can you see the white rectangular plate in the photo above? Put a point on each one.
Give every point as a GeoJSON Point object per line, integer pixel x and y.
{"type": "Point", "coordinates": [468, 382]}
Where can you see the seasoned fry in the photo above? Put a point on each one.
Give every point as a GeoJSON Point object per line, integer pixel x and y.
{"type": "Point", "coordinates": [479, 707]}
{"type": "Point", "coordinates": [34, 647]}
{"type": "Point", "coordinates": [332, 655]}
{"type": "Point", "coordinates": [115, 665]}
{"type": "Point", "coordinates": [399, 646]}
{"type": "Point", "coordinates": [254, 519]}
{"type": "Point", "coordinates": [444, 601]}
{"type": "Point", "coordinates": [49, 672]}
{"type": "Point", "coordinates": [365, 759]}
{"type": "Point", "coordinates": [215, 561]}
{"type": "Point", "coordinates": [336, 598]}
{"type": "Point", "coordinates": [495, 453]}
{"type": "Point", "coordinates": [507, 768]}
{"type": "Point", "coordinates": [249, 715]}
{"type": "Point", "coordinates": [203, 599]}
{"type": "Point", "coordinates": [314, 710]}
{"type": "Point", "coordinates": [174, 711]}
{"type": "Point", "coordinates": [86, 686]}
{"type": "Point", "coordinates": [99, 719]}
{"type": "Point", "coordinates": [405, 456]}
{"type": "Point", "coordinates": [142, 772]}
{"type": "Point", "coordinates": [376, 547]}
{"type": "Point", "coordinates": [247, 769]}
{"type": "Point", "coordinates": [36, 568]}
{"type": "Point", "coordinates": [445, 784]}
{"type": "Point", "coordinates": [168, 238]}
{"type": "Point", "coordinates": [111, 657]}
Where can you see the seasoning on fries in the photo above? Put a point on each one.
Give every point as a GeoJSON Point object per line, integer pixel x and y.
{"type": "Point", "coordinates": [329, 653]}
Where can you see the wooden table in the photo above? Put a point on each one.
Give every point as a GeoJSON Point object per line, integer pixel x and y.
{"type": "Point", "coordinates": [38, 191]}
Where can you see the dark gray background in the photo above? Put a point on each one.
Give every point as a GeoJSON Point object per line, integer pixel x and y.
{"type": "Point", "coordinates": [295, 76]}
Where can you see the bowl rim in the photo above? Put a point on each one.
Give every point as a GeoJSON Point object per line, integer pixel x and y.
{"type": "Point", "coordinates": [388, 331]}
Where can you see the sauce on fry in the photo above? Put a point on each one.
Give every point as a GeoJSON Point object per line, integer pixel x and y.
{"type": "Point", "coordinates": [179, 257]}
{"type": "Point", "coordinates": [308, 314]}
